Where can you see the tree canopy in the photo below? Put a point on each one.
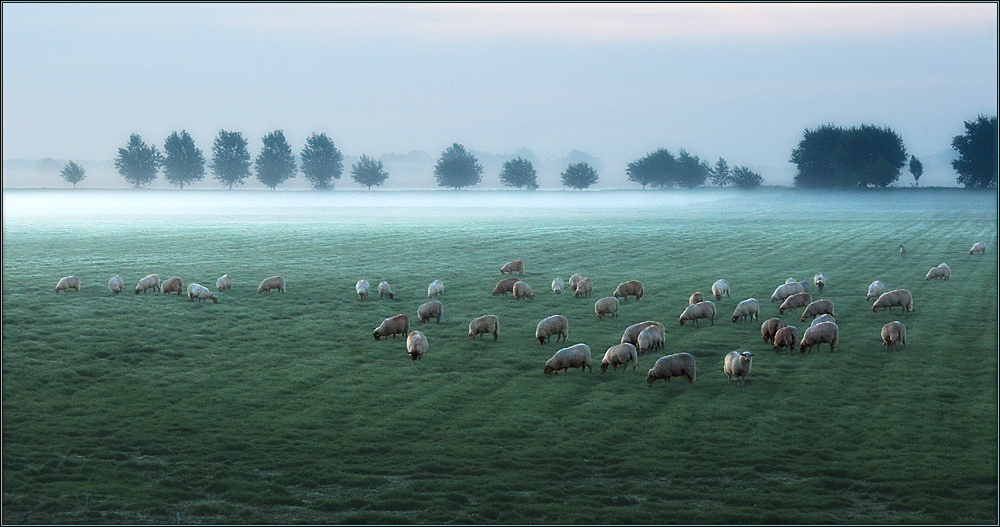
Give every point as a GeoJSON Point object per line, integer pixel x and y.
{"type": "Point", "coordinates": [916, 169]}
{"type": "Point", "coordinates": [579, 176]}
{"type": "Point", "coordinates": [977, 153]}
{"type": "Point", "coordinates": [230, 158]}
{"type": "Point", "coordinates": [457, 168]}
{"type": "Point", "coordinates": [519, 173]}
{"type": "Point", "coordinates": [321, 161]}
{"type": "Point", "coordinates": [721, 174]}
{"type": "Point", "coordinates": [369, 172]}
{"type": "Point", "coordinates": [275, 164]}
{"type": "Point", "coordinates": [655, 169]}
{"type": "Point", "coordinates": [690, 171]}
{"type": "Point", "coordinates": [743, 177]}
{"type": "Point", "coordinates": [73, 173]}
{"type": "Point", "coordinates": [137, 162]}
{"type": "Point", "coordinates": [860, 156]}
{"type": "Point", "coordinates": [184, 163]}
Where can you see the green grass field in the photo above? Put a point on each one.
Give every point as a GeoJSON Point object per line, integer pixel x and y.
{"type": "Point", "coordinates": [283, 409]}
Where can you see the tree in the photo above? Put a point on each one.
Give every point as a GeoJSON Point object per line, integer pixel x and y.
{"type": "Point", "coordinates": [743, 177]}
{"type": "Point", "coordinates": [73, 173]}
{"type": "Point", "coordinates": [184, 163]}
{"type": "Point", "coordinates": [275, 164]}
{"type": "Point", "coordinates": [369, 172]}
{"type": "Point", "coordinates": [519, 173]}
{"type": "Point", "coordinates": [691, 171]}
{"type": "Point", "coordinates": [916, 169]}
{"type": "Point", "coordinates": [457, 168]}
{"type": "Point", "coordinates": [230, 158]}
{"type": "Point", "coordinates": [814, 157]}
{"type": "Point", "coordinates": [655, 168]}
{"type": "Point", "coordinates": [321, 161]}
{"type": "Point", "coordinates": [977, 153]}
{"type": "Point", "coordinates": [721, 175]}
{"type": "Point", "coordinates": [138, 163]}
{"type": "Point", "coordinates": [861, 156]}
{"type": "Point", "coordinates": [579, 176]}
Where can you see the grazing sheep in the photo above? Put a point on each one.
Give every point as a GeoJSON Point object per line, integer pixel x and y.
{"type": "Point", "coordinates": [650, 339]}
{"type": "Point", "coordinates": [676, 365]}
{"type": "Point", "coordinates": [557, 285]}
{"type": "Point", "coordinates": [556, 325]}
{"type": "Point", "coordinates": [737, 365]}
{"type": "Point", "coordinates": [575, 280]}
{"type": "Point", "coordinates": [68, 282]}
{"type": "Point", "coordinates": [274, 282]}
{"type": "Point", "coordinates": [620, 354]}
{"type": "Point", "coordinates": [942, 271]}
{"type": "Point", "coordinates": [116, 284]}
{"type": "Point", "coordinates": [416, 344]}
{"type": "Point", "coordinates": [362, 288]}
{"type": "Point", "coordinates": [696, 297]}
{"type": "Point", "coordinates": [396, 325]}
{"type": "Point", "coordinates": [978, 248]}
{"type": "Point", "coordinates": [891, 299]}
{"type": "Point", "coordinates": [794, 301]}
{"type": "Point", "coordinates": [172, 285]}
{"type": "Point", "coordinates": [825, 332]}
{"type": "Point", "coordinates": [787, 336]}
{"type": "Point", "coordinates": [148, 282]}
{"type": "Point", "coordinates": [704, 309]}
{"type": "Point", "coordinates": [820, 281]}
{"type": "Point", "coordinates": [769, 328]}
{"type": "Point", "coordinates": [523, 290]}
{"type": "Point", "coordinates": [200, 292]}
{"type": "Point", "coordinates": [748, 309]}
{"type": "Point", "coordinates": [384, 290]}
{"type": "Point", "coordinates": [606, 306]}
{"type": "Point", "coordinates": [505, 286]}
{"type": "Point", "coordinates": [512, 267]}
{"type": "Point", "coordinates": [584, 287]}
{"type": "Point", "coordinates": [902, 250]}
{"type": "Point", "coordinates": [825, 317]}
{"type": "Point", "coordinates": [483, 325]}
{"type": "Point", "coordinates": [786, 290]}
{"type": "Point", "coordinates": [632, 287]}
{"type": "Point", "coordinates": [875, 290]}
{"type": "Point", "coordinates": [436, 288]}
{"type": "Point", "coordinates": [631, 333]}
{"type": "Point", "coordinates": [719, 288]}
{"type": "Point", "coordinates": [575, 356]}
{"type": "Point", "coordinates": [817, 307]}
{"type": "Point", "coordinates": [224, 283]}
{"type": "Point", "coordinates": [893, 333]}
{"type": "Point", "coordinates": [428, 310]}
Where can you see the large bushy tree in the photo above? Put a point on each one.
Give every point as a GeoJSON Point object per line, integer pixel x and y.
{"type": "Point", "coordinates": [183, 162]}
{"type": "Point", "coordinates": [519, 173]}
{"type": "Point", "coordinates": [654, 169]}
{"type": "Point", "coordinates": [743, 177]}
{"type": "Point", "coordinates": [457, 168]}
{"type": "Point", "coordinates": [321, 161]}
{"type": "Point", "coordinates": [138, 163]}
{"type": "Point", "coordinates": [230, 158]}
{"type": "Point", "coordinates": [690, 170]}
{"type": "Point", "coordinates": [73, 173]}
{"type": "Point", "coordinates": [977, 153]}
{"type": "Point", "coordinates": [860, 156]}
{"type": "Point", "coordinates": [369, 172]}
{"type": "Point", "coordinates": [579, 176]}
{"type": "Point", "coordinates": [275, 163]}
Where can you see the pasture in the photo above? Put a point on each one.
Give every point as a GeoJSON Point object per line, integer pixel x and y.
{"type": "Point", "coordinates": [282, 408]}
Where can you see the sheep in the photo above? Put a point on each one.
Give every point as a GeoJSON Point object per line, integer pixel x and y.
{"type": "Point", "coordinates": [274, 282]}
{"type": "Point", "coordinates": [484, 324]}
{"type": "Point", "coordinates": [620, 354]}
{"type": "Point", "coordinates": [893, 333]}
{"type": "Point", "coordinates": [902, 250]}
{"type": "Point", "coordinates": [384, 290]}
{"type": "Point", "coordinates": [200, 292]}
{"type": "Point", "coordinates": [557, 285]}
{"type": "Point", "coordinates": [556, 325]}
{"type": "Point", "coordinates": [942, 271]}
{"type": "Point", "coordinates": [575, 356]}
{"type": "Point", "coordinates": [116, 284]}
{"type": "Point", "coordinates": [978, 248]}
{"type": "Point", "coordinates": [650, 339]}
{"type": "Point", "coordinates": [172, 285]}
{"type": "Point", "coordinates": [416, 344]}
{"type": "Point", "coordinates": [825, 317]}
{"type": "Point", "coordinates": [584, 287]}
{"type": "Point", "coordinates": [606, 306]}
{"type": "Point", "coordinates": [696, 297]}
{"type": "Point", "coordinates": [786, 290]}
{"type": "Point", "coordinates": [575, 280]}
{"type": "Point", "coordinates": [147, 282]}
{"type": "Point", "coordinates": [824, 332]}
{"type": "Point", "coordinates": [395, 325]}
{"type": "Point", "coordinates": [676, 365]}
{"type": "Point", "coordinates": [737, 365]}
{"type": "Point", "coordinates": [505, 286]}
{"type": "Point", "coordinates": [890, 299]}
{"type": "Point", "coordinates": [362, 288]}
{"type": "Point", "coordinates": [631, 333]}
{"type": "Point", "coordinates": [436, 288]}
{"type": "Point", "coordinates": [719, 288]}
{"type": "Point", "coordinates": [748, 309]}
{"type": "Point", "coordinates": [632, 287]}
{"type": "Point", "coordinates": [68, 282]}
{"type": "Point", "coordinates": [875, 290]}
{"type": "Point", "coordinates": [704, 309]}
{"type": "Point", "coordinates": [786, 336]}
{"type": "Point", "coordinates": [820, 281]}
{"type": "Point", "coordinates": [428, 310]}
{"type": "Point", "coordinates": [224, 283]}
{"type": "Point", "coordinates": [511, 267]}
{"type": "Point", "coordinates": [794, 301]}
{"type": "Point", "coordinates": [817, 307]}
{"type": "Point", "coordinates": [523, 290]}
{"type": "Point", "coordinates": [769, 328]}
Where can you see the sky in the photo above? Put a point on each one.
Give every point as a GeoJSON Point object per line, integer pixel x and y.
{"type": "Point", "coordinates": [737, 81]}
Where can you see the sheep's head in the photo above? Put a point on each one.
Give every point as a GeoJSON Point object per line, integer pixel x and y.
{"type": "Point", "coordinates": [376, 334]}
{"type": "Point", "coordinates": [650, 378]}
{"type": "Point", "coordinates": [549, 370]}
{"type": "Point", "coordinates": [213, 298]}
{"type": "Point", "coordinates": [604, 367]}
{"type": "Point", "coordinates": [541, 340]}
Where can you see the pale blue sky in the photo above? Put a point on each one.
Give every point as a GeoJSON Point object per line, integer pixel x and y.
{"type": "Point", "coordinates": [739, 81]}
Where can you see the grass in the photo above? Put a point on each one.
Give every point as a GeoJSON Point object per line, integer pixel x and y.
{"type": "Point", "coordinates": [283, 409]}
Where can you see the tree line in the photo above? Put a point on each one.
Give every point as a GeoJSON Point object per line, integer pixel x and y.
{"type": "Point", "coordinates": [826, 157]}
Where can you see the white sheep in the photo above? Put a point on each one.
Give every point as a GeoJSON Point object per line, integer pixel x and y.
{"type": "Point", "coordinates": [428, 310]}
{"type": "Point", "coordinates": [819, 281]}
{"type": "Point", "coordinates": [719, 288]}
{"type": "Point", "coordinates": [201, 293]}
{"type": "Point", "coordinates": [584, 288]}
{"type": "Point", "coordinates": [902, 250]}
{"type": "Point", "coordinates": [484, 325]}
{"type": "Point", "coordinates": [384, 290]}
{"type": "Point", "coordinates": [224, 283]}
{"type": "Point", "coordinates": [523, 290]}
{"type": "Point", "coordinates": [794, 301]}
{"type": "Point", "coordinates": [676, 365]}
{"type": "Point", "coordinates": [116, 284]}
{"type": "Point", "coordinates": [942, 271]}
{"type": "Point", "coordinates": [825, 317]}
{"type": "Point", "coordinates": [875, 290]}
{"type": "Point", "coordinates": [737, 365]}
{"type": "Point", "coordinates": [362, 288]}
{"type": "Point", "coordinates": [704, 309]}
{"type": "Point", "coordinates": [575, 356]}
{"type": "Point", "coordinates": [606, 306]}
{"type": "Point", "coordinates": [436, 288]}
{"type": "Point", "coordinates": [891, 299]}
{"type": "Point", "coordinates": [575, 280]}
{"type": "Point", "coordinates": [172, 285]}
{"type": "Point", "coordinates": [786, 290]}
{"type": "Point", "coordinates": [978, 248]}
{"type": "Point", "coordinates": [395, 325]}
{"type": "Point", "coordinates": [622, 354]}
{"type": "Point", "coordinates": [68, 282]}
{"type": "Point", "coordinates": [651, 338]}
{"type": "Point", "coordinates": [505, 286]}
{"type": "Point", "coordinates": [147, 282]}
{"type": "Point", "coordinates": [274, 282]}
{"type": "Point", "coordinates": [416, 344]}
{"type": "Point", "coordinates": [557, 285]}
{"type": "Point", "coordinates": [696, 297]}
{"type": "Point", "coordinates": [817, 307]}
{"type": "Point", "coordinates": [632, 287]}
{"type": "Point", "coordinates": [556, 325]}
{"type": "Point", "coordinates": [893, 333]}
{"type": "Point", "coordinates": [786, 337]}
{"type": "Point", "coordinates": [512, 267]}
{"type": "Point", "coordinates": [769, 328]}
{"type": "Point", "coordinates": [748, 309]}
{"type": "Point", "coordinates": [631, 333]}
{"type": "Point", "coordinates": [824, 332]}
